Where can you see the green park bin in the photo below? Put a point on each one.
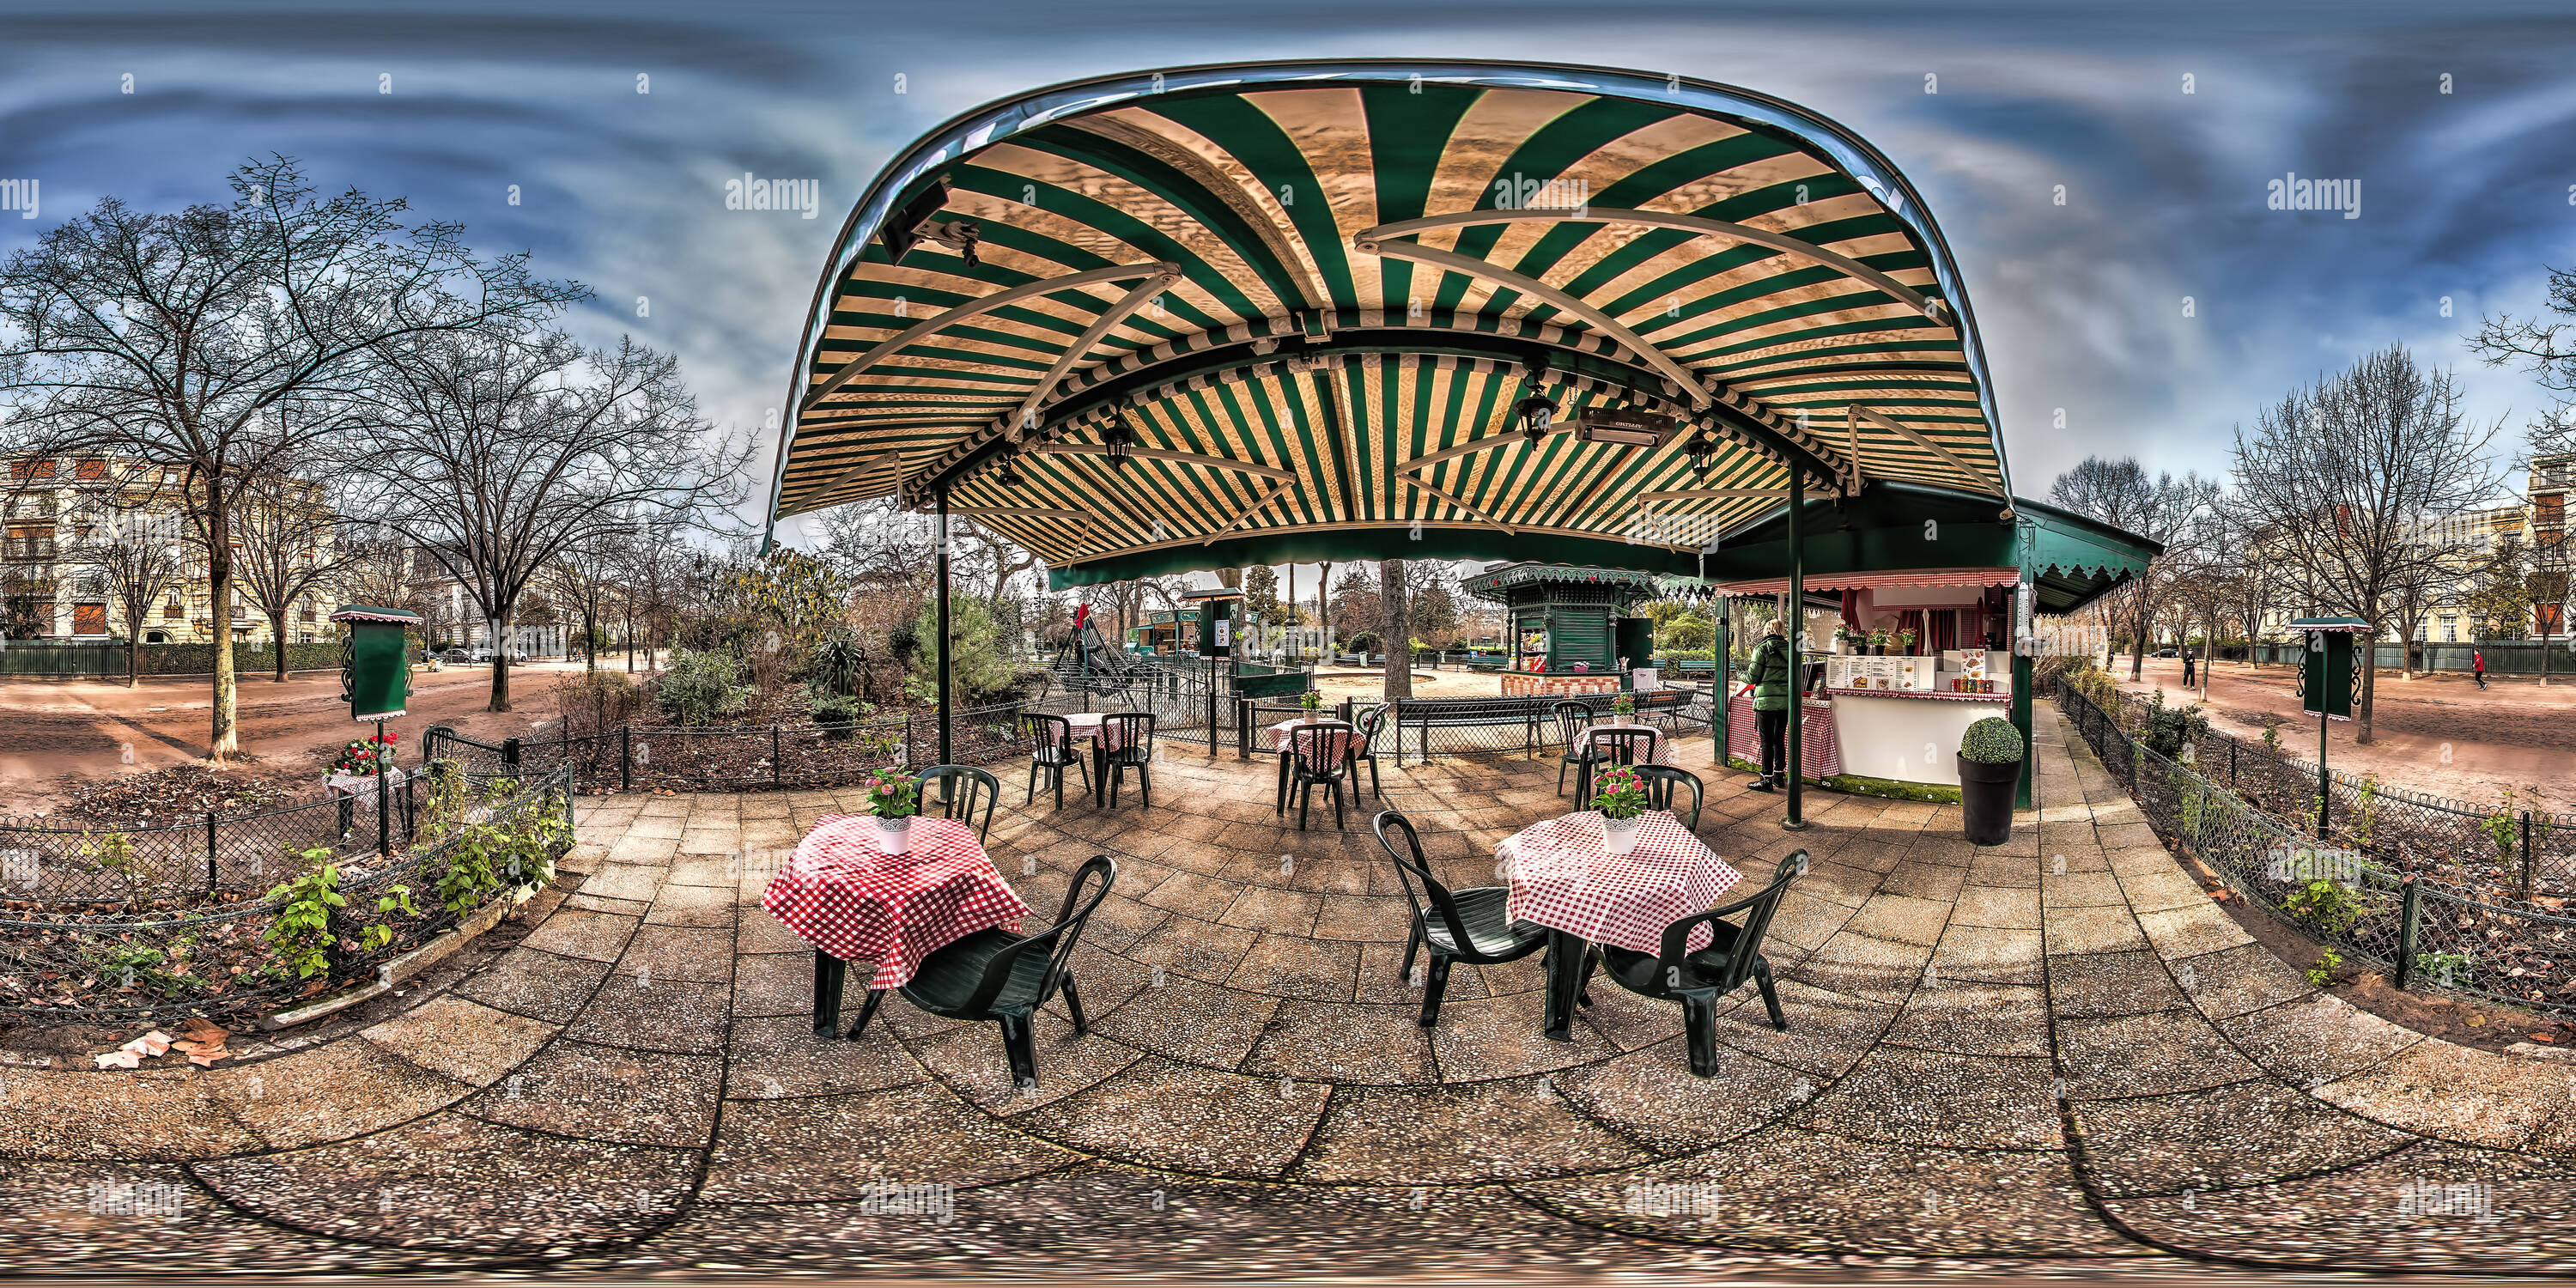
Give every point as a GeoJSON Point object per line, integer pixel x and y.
{"type": "Point", "coordinates": [375, 660]}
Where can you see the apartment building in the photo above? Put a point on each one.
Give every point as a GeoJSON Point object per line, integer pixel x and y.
{"type": "Point", "coordinates": [2539, 522]}
{"type": "Point", "coordinates": [64, 518]}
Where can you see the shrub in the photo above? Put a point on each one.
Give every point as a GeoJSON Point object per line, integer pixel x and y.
{"type": "Point", "coordinates": [838, 713]}
{"type": "Point", "coordinates": [1991, 741]}
{"type": "Point", "coordinates": [2167, 730]}
{"type": "Point", "coordinates": [700, 687]}
{"type": "Point", "coordinates": [2329, 905]}
{"type": "Point", "coordinates": [302, 931]}
{"type": "Point", "coordinates": [598, 700]}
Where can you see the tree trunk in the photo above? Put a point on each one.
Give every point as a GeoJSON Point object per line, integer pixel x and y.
{"type": "Point", "coordinates": [277, 641]}
{"type": "Point", "coordinates": [224, 732]}
{"type": "Point", "coordinates": [1397, 616]}
{"type": "Point", "coordinates": [2369, 687]}
{"type": "Point", "coordinates": [1324, 607]}
{"type": "Point", "coordinates": [589, 642]}
{"type": "Point", "coordinates": [133, 656]}
{"type": "Point", "coordinates": [500, 665]}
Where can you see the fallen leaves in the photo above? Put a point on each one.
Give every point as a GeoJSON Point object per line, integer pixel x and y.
{"type": "Point", "coordinates": [203, 1044]}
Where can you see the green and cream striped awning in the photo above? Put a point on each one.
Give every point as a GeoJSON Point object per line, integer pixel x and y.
{"type": "Point", "coordinates": [1310, 295]}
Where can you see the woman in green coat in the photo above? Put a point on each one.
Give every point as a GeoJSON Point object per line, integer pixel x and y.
{"type": "Point", "coordinates": [1769, 676]}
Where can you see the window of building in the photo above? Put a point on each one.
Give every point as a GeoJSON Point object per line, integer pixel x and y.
{"type": "Point", "coordinates": [93, 468]}
{"type": "Point", "coordinates": [89, 619]}
{"type": "Point", "coordinates": [31, 469]}
{"type": "Point", "coordinates": [2450, 629]}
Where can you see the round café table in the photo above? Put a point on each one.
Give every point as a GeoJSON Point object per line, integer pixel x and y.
{"type": "Point", "coordinates": [1560, 874]}
{"type": "Point", "coordinates": [853, 902]}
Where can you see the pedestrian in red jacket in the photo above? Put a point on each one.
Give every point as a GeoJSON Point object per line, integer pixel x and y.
{"type": "Point", "coordinates": [2478, 665]}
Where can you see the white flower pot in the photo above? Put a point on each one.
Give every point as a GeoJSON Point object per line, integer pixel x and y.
{"type": "Point", "coordinates": [1620, 834]}
{"type": "Point", "coordinates": [894, 835]}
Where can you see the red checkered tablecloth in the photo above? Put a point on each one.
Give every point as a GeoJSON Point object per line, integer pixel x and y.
{"type": "Point", "coordinates": [1282, 731]}
{"type": "Point", "coordinates": [1815, 733]}
{"type": "Point", "coordinates": [1663, 746]}
{"type": "Point", "coordinates": [843, 896]}
{"type": "Point", "coordinates": [1561, 875]}
{"type": "Point", "coordinates": [1089, 725]}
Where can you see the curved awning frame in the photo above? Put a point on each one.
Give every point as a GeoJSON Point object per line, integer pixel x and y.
{"type": "Point", "coordinates": [1284, 378]}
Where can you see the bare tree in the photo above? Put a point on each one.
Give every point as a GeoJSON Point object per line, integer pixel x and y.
{"type": "Point", "coordinates": [2162, 509]}
{"type": "Point", "coordinates": [1395, 611]}
{"type": "Point", "coordinates": [137, 558]}
{"type": "Point", "coordinates": [585, 578]}
{"type": "Point", "coordinates": [214, 343]}
{"type": "Point", "coordinates": [517, 446]}
{"type": "Point", "coordinates": [2370, 474]}
{"type": "Point", "coordinates": [285, 555]}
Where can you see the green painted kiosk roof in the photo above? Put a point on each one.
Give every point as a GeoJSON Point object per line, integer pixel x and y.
{"type": "Point", "coordinates": [1495, 583]}
{"type": "Point", "coordinates": [1269, 312]}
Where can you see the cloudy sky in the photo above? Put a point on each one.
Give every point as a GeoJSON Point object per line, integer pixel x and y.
{"type": "Point", "coordinates": [2101, 176]}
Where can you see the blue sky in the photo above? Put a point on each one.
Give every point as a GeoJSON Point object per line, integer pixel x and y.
{"type": "Point", "coordinates": [2161, 123]}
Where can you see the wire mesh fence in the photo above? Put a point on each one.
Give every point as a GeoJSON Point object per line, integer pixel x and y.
{"type": "Point", "coordinates": [2416, 924]}
{"type": "Point", "coordinates": [196, 854]}
{"type": "Point", "coordinates": [194, 953]}
{"type": "Point", "coordinates": [2504, 849]}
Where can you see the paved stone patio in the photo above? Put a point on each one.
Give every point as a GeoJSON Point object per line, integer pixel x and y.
{"type": "Point", "coordinates": [1991, 1058]}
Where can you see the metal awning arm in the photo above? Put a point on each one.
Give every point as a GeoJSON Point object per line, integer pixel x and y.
{"type": "Point", "coordinates": [1975, 479]}
{"type": "Point", "coordinates": [1017, 424]}
{"type": "Point", "coordinates": [1909, 297]}
{"type": "Point", "coordinates": [1028, 290]}
{"type": "Point", "coordinates": [1530, 286]}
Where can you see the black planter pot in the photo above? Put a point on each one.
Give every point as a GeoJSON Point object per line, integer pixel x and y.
{"type": "Point", "coordinates": [1986, 800]}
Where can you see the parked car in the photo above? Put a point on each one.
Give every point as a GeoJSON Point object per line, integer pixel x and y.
{"type": "Point", "coordinates": [454, 656]}
{"type": "Point", "coordinates": [482, 655]}
{"type": "Point", "coordinates": [2167, 652]}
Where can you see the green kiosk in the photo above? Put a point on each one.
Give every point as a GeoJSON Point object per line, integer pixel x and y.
{"type": "Point", "coordinates": [1567, 627]}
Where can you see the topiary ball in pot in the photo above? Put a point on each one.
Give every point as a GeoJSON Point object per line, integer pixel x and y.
{"type": "Point", "coordinates": [1990, 759]}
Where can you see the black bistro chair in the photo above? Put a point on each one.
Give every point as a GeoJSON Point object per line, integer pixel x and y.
{"type": "Point", "coordinates": [960, 787]}
{"type": "Point", "coordinates": [1632, 747]}
{"type": "Point", "coordinates": [999, 976]}
{"type": "Point", "coordinates": [1663, 787]}
{"type": "Point", "coordinates": [1458, 926]}
{"type": "Point", "coordinates": [1572, 720]}
{"type": "Point", "coordinates": [1135, 739]}
{"type": "Point", "coordinates": [1364, 749]}
{"type": "Point", "coordinates": [1051, 753]}
{"type": "Point", "coordinates": [1318, 762]}
{"type": "Point", "coordinates": [1698, 979]}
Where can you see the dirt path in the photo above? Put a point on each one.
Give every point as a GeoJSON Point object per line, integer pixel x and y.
{"type": "Point", "coordinates": [2435, 733]}
{"type": "Point", "coordinates": [54, 734]}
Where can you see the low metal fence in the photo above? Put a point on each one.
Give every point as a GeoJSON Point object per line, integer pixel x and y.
{"type": "Point", "coordinates": [2424, 931]}
{"type": "Point", "coordinates": [209, 956]}
{"type": "Point", "coordinates": [2507, 849]}
{"type": "Point", "coordinates": [198, 853]}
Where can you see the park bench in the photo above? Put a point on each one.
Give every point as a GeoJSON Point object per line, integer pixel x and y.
{"type": "Point", "coordinates": [1692, 666]}
{"type": "Point", "coordinates": [1427, 714]}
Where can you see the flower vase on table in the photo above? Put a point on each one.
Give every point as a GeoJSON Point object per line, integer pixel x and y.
{"type": "Point", "coordinates": [1620, 794]}
{"type": "Point", "coordinates": [893, 800]}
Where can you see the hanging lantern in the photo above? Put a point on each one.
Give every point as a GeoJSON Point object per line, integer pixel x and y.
{"type": "Point", "coordinates": [1119, 437]}
{"type": "Point", "coordinates": [1702, 451]}
{"type": "Point", "coordinates": [1009, 474]}
{"type": "Point", "coordinates": [1537, 413]}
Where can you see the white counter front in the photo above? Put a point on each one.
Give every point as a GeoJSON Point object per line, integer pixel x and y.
{"type": "Point", "coordinates": [1908, 736]}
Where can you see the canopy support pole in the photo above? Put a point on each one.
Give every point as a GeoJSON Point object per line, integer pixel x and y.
{"type": "Point", "coordinates": [2023, 647]}
{"type": "Point", "coordinates": [947, 669]}
{"type": "Point", "coordinates": [1796, 616]}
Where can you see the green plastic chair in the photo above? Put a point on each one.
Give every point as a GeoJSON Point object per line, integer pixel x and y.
{"type": "Point", "coordinates": [1698, 979]}
{"type": "Point", "coordinates": [1663, 782]}
{"type": "Point", "coordinates": [1572, 718]}
{"type": "Point", "coordinates": [965, 785]}
{"type": "Point", "coordinates": [1364, 749]}
{"type": "Point", "coordinates": [1051, 753]}
{"type": "Point", "coordinates": [1136, 751]}
{"type": "Point", "coordinates": [1002, 977]}
{"type": "Point", "coordinates": [1457, 926]}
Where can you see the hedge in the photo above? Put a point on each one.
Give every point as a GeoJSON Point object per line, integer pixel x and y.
{"type": "Point", "coordinates": [160, 659]}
